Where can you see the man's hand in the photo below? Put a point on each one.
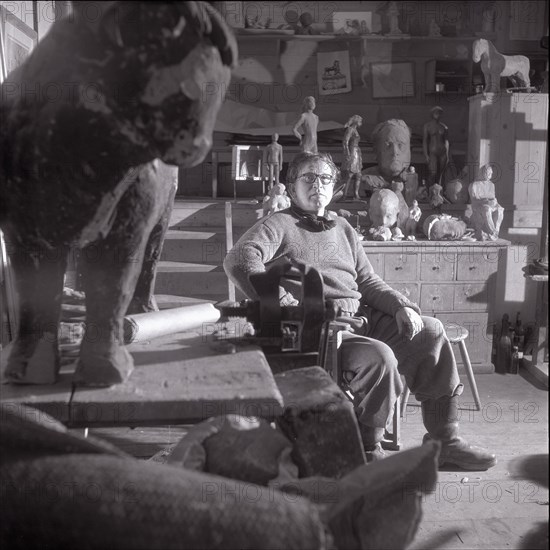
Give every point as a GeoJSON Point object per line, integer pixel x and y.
{"type": "Point", "coordinates": [409, 323]}
{"type": "Point", "coordinates": [357, 324]}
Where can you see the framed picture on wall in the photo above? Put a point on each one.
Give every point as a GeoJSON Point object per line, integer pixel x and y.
{"type": "Point", "coordinates": [392, 79]}
{"type": "Point", "coordinates": [333, 72]}
{"type": "Point", "coordinates": [17, 40]}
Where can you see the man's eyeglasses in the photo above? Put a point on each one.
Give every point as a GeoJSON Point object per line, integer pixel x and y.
{"type": "Point", "coordinates": [310, 177]}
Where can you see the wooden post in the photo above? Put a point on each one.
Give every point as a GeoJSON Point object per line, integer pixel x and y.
{"type": "Point", "coordinates": [229, 244]}
{"type": "Point", "coordinates": [214, 174]}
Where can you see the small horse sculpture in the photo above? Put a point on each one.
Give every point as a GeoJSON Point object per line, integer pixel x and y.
{"type": "Point", "coordinates": [494, 65]}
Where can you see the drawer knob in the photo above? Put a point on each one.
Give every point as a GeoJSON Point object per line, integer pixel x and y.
{"type": "Point", "coordinates": [435, 268]}
{"type": "Point", "coordinates": [472, 267]}
{"type": "Point", "coordinates": [399, 268]}
{"type": "Point", "coordinates": [434, 298]}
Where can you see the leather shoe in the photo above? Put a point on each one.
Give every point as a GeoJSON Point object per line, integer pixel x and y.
{"type": "Point", "coordinates": [457, 452]}
{"type": "Point", "coordinates": [374, 453]}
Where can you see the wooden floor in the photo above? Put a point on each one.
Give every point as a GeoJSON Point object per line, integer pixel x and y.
{"type": "Point", "coordinates": [505, 507]}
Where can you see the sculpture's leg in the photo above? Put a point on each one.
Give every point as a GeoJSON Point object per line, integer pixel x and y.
{"type": "Point", "coordinates": [346, 179]}
{"type": "Point", "coordinates": [34, 358]}
{"type": "Point", "coordinates": [432, 170]}
{"type": "Point", "coordinates": [356, 178]}
{"type": "Point", "coordinates": [111, 268]}
{"type": "Point", "coordinates": [498, 216]}
{"type": "Point", "coordinates": [144, 299]}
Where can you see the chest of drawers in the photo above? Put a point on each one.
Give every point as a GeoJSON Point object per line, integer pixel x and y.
{"type": "Point", "coordinates": [454, 281]}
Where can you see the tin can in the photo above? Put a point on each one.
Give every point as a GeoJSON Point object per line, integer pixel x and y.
{"type": "Point", "coordinates": [439, 87]}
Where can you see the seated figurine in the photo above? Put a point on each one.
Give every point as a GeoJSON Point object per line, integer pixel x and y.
{"type": "Point", "coordinates": [487, 214]}
{"type": "Point", "coordinates": [436, 198]}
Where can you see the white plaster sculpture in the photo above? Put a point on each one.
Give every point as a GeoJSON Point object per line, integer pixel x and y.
{"type": "Point", "coordinates": [494, 65]}
{"type": "Point", "coordinates": [487, 214]}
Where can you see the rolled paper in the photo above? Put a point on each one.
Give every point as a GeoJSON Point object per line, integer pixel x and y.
{"type": "Point", "coordinates": [146, 326]}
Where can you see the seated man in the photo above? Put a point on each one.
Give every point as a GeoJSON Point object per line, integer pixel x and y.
{"type": "Point", "coordinates": [388, 334]}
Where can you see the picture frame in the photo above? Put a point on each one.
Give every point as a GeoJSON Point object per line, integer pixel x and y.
{"type": "Point", "coordinates": [392, 79]}
{"type": "Point", "coordinates": [17, 40]}
{"type": "Point", "coordinates": [333, 72]}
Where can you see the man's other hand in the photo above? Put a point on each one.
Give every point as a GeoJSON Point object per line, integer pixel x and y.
{"type": "Point", "coordinates": [409, 323]}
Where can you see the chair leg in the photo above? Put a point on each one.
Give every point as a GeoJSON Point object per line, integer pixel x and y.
{"type": "Point", "coordinates": [469, 372]}
{"type": "Point", "coordinates": [405, 400]}
{"type": "Point", "coordinates": [392, 441]}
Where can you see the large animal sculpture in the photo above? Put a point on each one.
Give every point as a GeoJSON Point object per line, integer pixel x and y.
{"type": "Point", "coordinates": [94, 125]}
{"type": "Point", "coordinates": [495, 65]}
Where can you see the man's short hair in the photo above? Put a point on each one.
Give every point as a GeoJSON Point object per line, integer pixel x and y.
{"type": "Point", "coordinates": [396, 123]}
{"type": "Point", "coordinates": [303, 158]}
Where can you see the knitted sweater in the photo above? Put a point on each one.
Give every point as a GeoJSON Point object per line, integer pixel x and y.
{"type": "Point", "coordinates": [336, 253]}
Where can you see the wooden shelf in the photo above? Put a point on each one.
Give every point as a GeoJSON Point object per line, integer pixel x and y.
{"type": "Point", "coordinates": [339, 37]}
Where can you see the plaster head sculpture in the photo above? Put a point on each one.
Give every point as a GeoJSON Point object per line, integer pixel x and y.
{"type": "Point", "coordinates": [354, 120]}
{"type": "Point", "coordinates": [392, 143]}
{"type": "Point", "coordinates": [308, 104]}
{"type": "Point", "coordinates": [384, 208]}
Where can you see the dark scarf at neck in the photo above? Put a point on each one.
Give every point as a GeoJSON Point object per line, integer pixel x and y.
{"type": "Point", "coordinates": [313, 221]}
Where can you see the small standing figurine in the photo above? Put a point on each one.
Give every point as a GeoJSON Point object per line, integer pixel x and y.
{"type": "Point", "coordinates": [309, 122]}
{"type": "Point", "coordinates": [487, 214]}
{"type": "Point", "coordinates": [414, 217]}
{"type": "Point", "coordinates": [411, 185]}
{"type": "Point", "coordinates": [273, 160]}
{"type": "Point", "coordinates": [352, 162]}
{"type": "Point", "coordinates": [434, 29]}
{"type": "Point", "coordinates": [435, 145]}
{"type": "Point", "coordinates": [393, 16]}
{"type": "Point", "coordinates": [275, 200]}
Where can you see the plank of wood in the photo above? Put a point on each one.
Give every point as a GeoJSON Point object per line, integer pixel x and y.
{"type": "Point", "coordinates": [181, 379]}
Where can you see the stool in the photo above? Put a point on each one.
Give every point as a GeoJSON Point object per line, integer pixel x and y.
{"type": "Point", "coordinates": [457, 335]}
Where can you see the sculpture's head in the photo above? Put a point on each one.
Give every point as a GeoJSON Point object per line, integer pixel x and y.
{"type": "Point", "coordinates": [274, 137]}
{"type": "Point", "coordinates": [383, 208]}
{"type": "Point", "coordinates": [479, 47]}
{"type": "Point", "coordinates": [485, 173]}
{"type": "Point", "coordinates": [146, 76]}
{"type": "Point", "coordinates": [436, 112]}
{"type": "Point", "coordinates": [392, 144]}
{"type": "Point", "coordinates": [308, 103]}
{"type": "Point", "coordinates": [354, 120]}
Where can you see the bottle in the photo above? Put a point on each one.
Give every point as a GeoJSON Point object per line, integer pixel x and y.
{"type": "Point", "coordinates": [517, 356]}
{"type": "Point", "coordinates": [519, 334]}
{"type": "Point", "coordinates": [504, 347]}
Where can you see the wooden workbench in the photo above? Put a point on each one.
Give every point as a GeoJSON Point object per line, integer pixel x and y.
{"type": "Point", "coordinates": [178, 379]}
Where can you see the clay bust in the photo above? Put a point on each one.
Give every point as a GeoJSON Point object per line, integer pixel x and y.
{"type": "Point", "coordinates": [352, 161]}
{"type": "Point", "coordinates": [383, 214]}
{"type": "Point", "coordinates": [435, 146]}
{"type": "Point", "coordinates": [276, 199]}
{"type": "Point", "coordinates": [308, 122]}
{"type": "Point", "coordinates": [392, 144]}
{"type": "Point", "coordinates": [487, 214]}
{"type": "Point", "coordinates": [414, 217]}
{"type": "Point", "coordinates": [273, 160]}
{"type": "Point", "coordinates": [92, 172]}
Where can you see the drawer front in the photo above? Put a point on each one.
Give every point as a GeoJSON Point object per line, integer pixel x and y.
{"type": "Point", "coordinates": [437, 267]}
{"type": "Point", "coordinates": [410, 290]}
{"type": "Point", "coordinates": [436, 298]}
{"type": "Point", "coordinates": [400, 267]}
{"type": "Point", "coordinates": [472, 296]}
{"type": "Point", "coordinates": [479, 339]}
{"type": "Point", "coordinates": [478, 266]}
{"type": "Point", "coordinates": [377, 261]}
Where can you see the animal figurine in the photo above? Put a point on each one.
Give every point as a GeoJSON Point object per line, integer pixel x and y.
{"type": "Point", "coordinates": [89, 168]}
{"type": "Point", "coordinates": [495, 65]}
